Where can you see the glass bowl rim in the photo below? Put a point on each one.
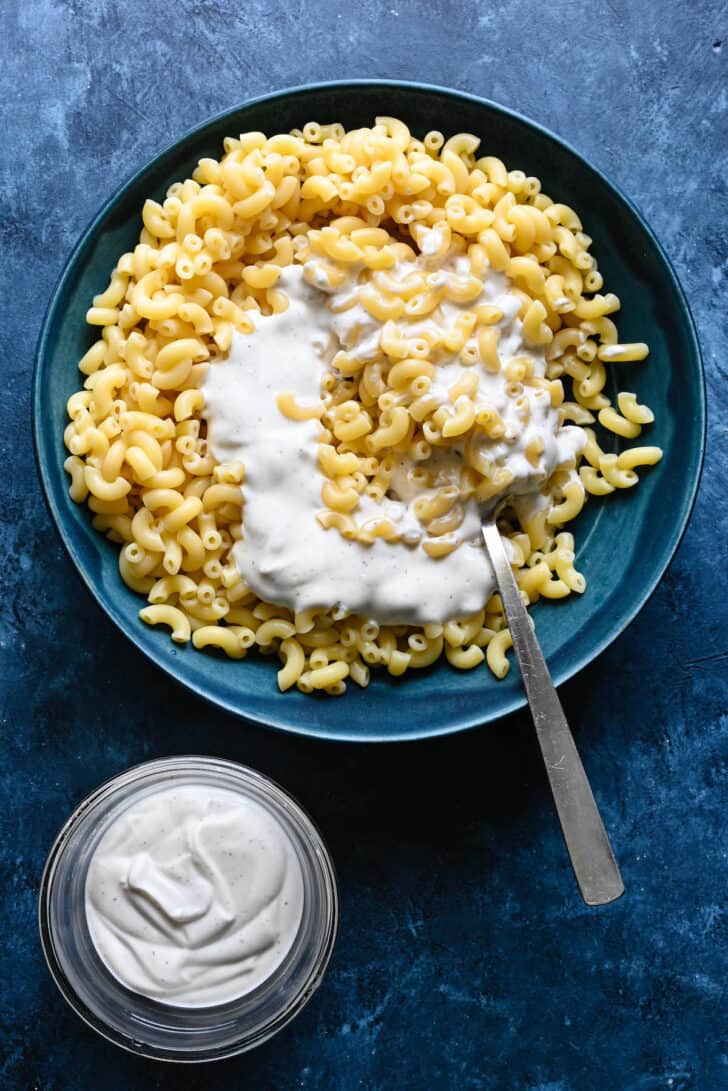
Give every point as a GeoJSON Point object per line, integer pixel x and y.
{"type": "Point", "coordinates": [308, 830]}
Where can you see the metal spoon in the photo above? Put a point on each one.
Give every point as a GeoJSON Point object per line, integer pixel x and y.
{"type": "Point", "coordinates": [586, 839]}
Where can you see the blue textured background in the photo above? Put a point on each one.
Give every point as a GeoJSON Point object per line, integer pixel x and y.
{"type": "Point", "coordinates": [466, 959]}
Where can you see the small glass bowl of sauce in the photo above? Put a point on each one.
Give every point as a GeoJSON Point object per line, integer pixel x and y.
{"type": "Point", "coordinates": [188, 909]}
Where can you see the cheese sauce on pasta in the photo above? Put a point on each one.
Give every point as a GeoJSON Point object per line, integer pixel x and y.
{"type": "Point", "coordinates": [285, 555]}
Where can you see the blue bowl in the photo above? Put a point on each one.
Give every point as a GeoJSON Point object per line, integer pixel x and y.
{"type": "Point", "coordinates": [625, 541]}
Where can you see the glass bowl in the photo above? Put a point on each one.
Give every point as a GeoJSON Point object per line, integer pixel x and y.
{"type": "Point", "coordinates": [145, 1026]}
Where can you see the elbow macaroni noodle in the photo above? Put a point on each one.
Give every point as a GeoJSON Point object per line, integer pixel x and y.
{"type": "Point", "coordinates": [209, 258]}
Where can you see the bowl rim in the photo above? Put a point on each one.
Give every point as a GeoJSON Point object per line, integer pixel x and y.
{"type": "Point", "coordinates": [460, 722]}
{"type": "Point", "coordinates": [130, 776]}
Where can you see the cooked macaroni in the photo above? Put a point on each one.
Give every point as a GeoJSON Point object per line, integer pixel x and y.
{"type": "Point", "coordinates": [366, 338]}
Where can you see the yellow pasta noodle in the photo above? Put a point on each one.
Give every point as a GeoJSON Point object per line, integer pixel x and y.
{"type": "Point", "coordinates": [209, 264]}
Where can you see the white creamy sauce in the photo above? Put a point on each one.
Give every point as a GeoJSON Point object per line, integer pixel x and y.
{"type": "Point", "coordinates": [285, 555]}
{"type": "Point", "coordinates": [194, 896]}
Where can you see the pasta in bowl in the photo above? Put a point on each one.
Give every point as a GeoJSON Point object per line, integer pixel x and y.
{"type": "Point", "coordinates": [327, 351]}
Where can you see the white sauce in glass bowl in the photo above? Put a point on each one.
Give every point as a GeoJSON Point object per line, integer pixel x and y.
{"type": "Point", "coordinates": [194, 896]}
{"type": "Point", "coordinates": [285, 555]}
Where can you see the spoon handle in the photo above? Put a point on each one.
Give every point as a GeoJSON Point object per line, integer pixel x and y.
{"type": "Point", "coordinates": [586, 839]}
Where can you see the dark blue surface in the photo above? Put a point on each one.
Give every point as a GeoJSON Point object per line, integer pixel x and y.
{"type": "Point", "coordinates": [466, 959]}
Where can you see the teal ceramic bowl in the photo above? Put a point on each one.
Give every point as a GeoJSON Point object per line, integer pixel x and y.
{"type": "Point", "coordinates": [625, 541]}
